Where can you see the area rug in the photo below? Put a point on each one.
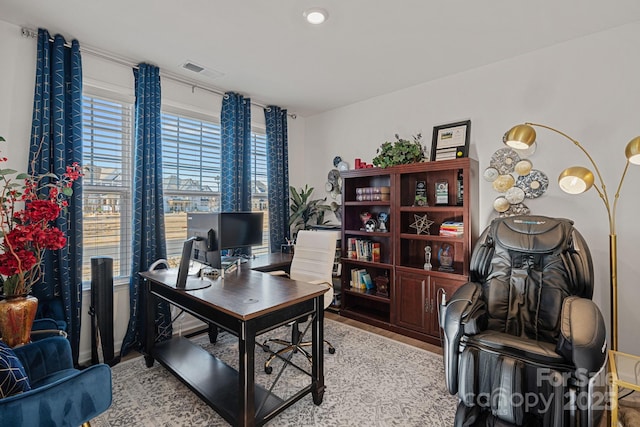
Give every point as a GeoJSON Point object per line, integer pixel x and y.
{"type": "Point", "coordinates": [370, 381]}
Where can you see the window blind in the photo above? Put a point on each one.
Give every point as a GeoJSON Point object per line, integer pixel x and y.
{"type": "Point", "coordinates": [106, 162]}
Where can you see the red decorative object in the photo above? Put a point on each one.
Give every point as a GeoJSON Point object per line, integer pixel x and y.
{"type": "Point", "coordinates": [359, 164]}
{"type": "Point", "coordinates": [28, 206]}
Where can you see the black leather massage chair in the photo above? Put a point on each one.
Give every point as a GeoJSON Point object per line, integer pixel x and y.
{"type": "Point", "coordinates": [524, 345]}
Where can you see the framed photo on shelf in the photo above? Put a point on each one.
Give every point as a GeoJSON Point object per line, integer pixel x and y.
{"type": "Point", "coordinates": [451, 141]}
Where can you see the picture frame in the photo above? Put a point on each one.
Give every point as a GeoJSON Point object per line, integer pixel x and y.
{"type": "Point", "coordinates": [451, 141]}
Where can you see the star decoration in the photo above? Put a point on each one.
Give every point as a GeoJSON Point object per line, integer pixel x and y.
{"type": "Point", "coordinates": [421, 224]}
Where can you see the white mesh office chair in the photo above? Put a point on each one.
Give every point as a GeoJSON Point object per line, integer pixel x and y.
{"type": "Point", "coordinates": [312, 262]}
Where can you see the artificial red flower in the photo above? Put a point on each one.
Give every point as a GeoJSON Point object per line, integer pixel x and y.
{"type": "Point", "coordinates": [49, 238]}
{"type": "Point", "coordinates": [42, 210]}
{"type": "Point", "coordinates": [9, 263]}
{"type": "Point", "coordinates": [26, 223]}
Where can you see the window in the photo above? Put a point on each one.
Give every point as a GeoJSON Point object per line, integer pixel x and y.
{"type": "Point", "coordinates": [259, 185]}
{"type": "Point", "coordinates": [191, 165]}
{"type": "Point", "coordinates": [191, 150]}
{"type": "Point", "coordinates": [106, 185]}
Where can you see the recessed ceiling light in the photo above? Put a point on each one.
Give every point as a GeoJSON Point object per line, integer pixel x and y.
{"type": "Point", "coordinates": [315, 15]}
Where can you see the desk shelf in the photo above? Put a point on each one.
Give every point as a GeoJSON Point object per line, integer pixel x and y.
{"type": "Point", "coordinates": [210, 378]}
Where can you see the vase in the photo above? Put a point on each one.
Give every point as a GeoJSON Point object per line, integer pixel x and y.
{"type": "Point", "coordinates": [16, 319]}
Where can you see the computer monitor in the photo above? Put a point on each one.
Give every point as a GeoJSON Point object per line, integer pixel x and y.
{"type": "Point", "coordinates": [223, 231]}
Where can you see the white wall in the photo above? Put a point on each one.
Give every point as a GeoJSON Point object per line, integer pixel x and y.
{"type": "Point", "coordinates": [588, 88]}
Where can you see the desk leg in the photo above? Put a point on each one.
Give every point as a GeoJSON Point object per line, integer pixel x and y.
{"type": "Point", "coordinates": [150, 323]}
{"type": "Point", "coordinates": [246, 377]}
{"type": "Point", "coordinates": [317, 366]}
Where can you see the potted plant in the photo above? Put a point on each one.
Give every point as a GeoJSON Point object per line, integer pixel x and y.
{"type": "Point", "coordinates": [399, 152]}
{"type": "Point", "coordinates": [304, 211]}
{"type": "Point", "coordinates": [29, 205]}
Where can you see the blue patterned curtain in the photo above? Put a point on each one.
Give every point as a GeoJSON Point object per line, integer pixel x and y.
{"type": "Point", "coordinates": [148, 232]}
{"type": "Point", "coordinates": [277, 176]}
{"type": "Point", "coordinates": [56, 142]}
{"type": "Point", "coordinates": [235, 185]}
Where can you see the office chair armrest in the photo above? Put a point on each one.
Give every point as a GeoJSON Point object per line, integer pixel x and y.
{"type": "Point", "coordinates": [462, 315]}
{"type": "Point", "coordinates": [328, 296]}
{"type": "Point", "coordinates": [279, 273]}
{"type": "Point", "coordinates": [158, 263]}
{"type": "Point", "coordinates": [583, 337]}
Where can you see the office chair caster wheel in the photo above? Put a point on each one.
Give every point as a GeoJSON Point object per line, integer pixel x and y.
{"type": "Point", "coordinates": [268, 370]}
{"type": "Point", "coordinates": [332, 350]}
{"type": "Point", "coordinates": [265, 348]}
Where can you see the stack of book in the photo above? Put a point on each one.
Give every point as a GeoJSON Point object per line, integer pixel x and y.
{"type": "Point", "coordinates": [452, 229]}
{"type": "Point", "coordinates": [363, 249]}
{"type": "Point", "coordinates": [361, 279]}
{"type": "Point", "coordinates": [372, 193]}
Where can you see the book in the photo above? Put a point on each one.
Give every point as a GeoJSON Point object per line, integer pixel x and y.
{"type": "Point", "coordinates": [368, 283]}
{"type": "Point", "coordinates": [375, 252]}
{"type": "Point", "coordinates": [363, 249]}
{"type": "Point", "coordinates": [452, 229]}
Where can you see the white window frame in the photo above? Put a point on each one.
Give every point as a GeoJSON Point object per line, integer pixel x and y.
{"type": "Point", "coordinates": [121, 276]}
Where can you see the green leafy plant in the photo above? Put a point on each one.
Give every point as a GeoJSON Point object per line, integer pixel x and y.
{"type": "Point", "coordinates": [304, 211]}
{"type": "Point", "coordinates": [399, 152]}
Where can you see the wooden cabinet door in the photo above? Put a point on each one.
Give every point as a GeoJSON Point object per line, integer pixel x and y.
{"type": "Point", "coordinates": [412, 301]}
{"type": "Point", "coordinates": [437, 287]}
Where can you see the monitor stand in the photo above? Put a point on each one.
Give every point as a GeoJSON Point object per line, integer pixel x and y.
{"type": "Point", "coordinates": [195, 283]}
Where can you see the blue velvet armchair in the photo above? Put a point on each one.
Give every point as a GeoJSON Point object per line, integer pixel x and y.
{"type": "Point", "coordinates": [60, 395]}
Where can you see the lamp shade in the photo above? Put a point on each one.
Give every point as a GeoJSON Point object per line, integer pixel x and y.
{"type": "Point", "coordinates": [575, 180]}
{"type": "Point", "coordinates": [633, 151]}
{"type": "Point", "coordinates": [520, 137]}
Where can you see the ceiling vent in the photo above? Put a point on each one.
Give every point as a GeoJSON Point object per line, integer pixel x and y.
{"type": "Point", "coordinates": [192, 67]}
{"type": "Point", "coordinates": [199, 69]}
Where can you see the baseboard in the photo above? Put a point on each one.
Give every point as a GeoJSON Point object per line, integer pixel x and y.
{"type": "Point", "coordinates": [184, 325]}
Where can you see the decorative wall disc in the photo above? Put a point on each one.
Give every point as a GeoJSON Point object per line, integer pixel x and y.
{"type": "Point", "coordinates": [504, 160]}
{"type": "Point", "coordinates": [333, 176]}
{"type": "Point", "coordinates": [501, 204]}
{"type": "Point", "coordinates": [517, 209]}
{"type": "Point", "coordinates": [514, 195]}
{"type": "Point", "coordinates": [523, 167]}
{"type": "Point", "coordinates": [534, 184]}
{"type": "Point", "coordinates": [503, 183]}
{"type": "Point", "coordinates": [490, 174]}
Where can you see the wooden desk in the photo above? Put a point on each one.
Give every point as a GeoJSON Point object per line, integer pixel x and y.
{"type": "Point", "coordinates": [270, 262]}
{"type": "Point", "coordinates": [246, 303]}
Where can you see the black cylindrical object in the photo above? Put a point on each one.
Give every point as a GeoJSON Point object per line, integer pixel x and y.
{"type": "Point", "coordinates": [102, 310]}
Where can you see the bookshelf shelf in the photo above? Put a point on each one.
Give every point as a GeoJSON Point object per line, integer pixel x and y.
{"type": "Point", "coordinates": [368, 295]}
{"type": "Point", "coordinates": [432, 238]}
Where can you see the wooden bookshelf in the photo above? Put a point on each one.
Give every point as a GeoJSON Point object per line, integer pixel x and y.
{"type": "Point", "coordinates": [411, 305]}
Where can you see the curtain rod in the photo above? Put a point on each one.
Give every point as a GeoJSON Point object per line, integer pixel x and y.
{"type": "Point", "coordinates": [31, 33]}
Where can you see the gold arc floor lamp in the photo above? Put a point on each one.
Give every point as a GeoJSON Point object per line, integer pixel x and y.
{"type": "Point", "coordinates": [578, 179]}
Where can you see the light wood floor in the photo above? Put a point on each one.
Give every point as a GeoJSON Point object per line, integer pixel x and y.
{"type": "Point", "coordinates": [392, 335]}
